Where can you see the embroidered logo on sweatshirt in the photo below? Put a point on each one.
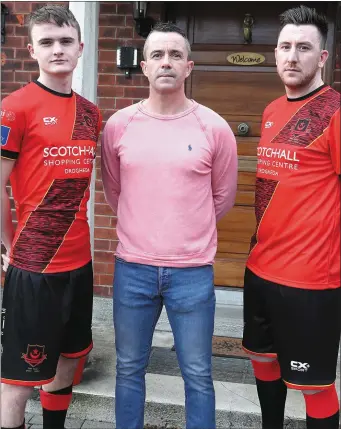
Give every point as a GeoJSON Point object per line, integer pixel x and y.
{"type": "Point", "coordinates": [189, 147]}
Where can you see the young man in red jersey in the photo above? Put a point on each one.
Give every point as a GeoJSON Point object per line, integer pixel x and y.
{"type": "Point", "coordinates": [48, 143]}
{"type": "Point", "coordinates": [292, 281]}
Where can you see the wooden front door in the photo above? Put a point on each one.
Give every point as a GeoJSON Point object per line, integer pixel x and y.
{"type": "Point", "coordinates": [239, 93]}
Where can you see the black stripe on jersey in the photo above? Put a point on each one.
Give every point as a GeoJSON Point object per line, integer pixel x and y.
{"type": "Point", "coordinates": [9, 154]}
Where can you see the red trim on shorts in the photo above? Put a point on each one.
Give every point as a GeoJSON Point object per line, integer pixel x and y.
{"type": "Point", "coordinates": [273, 355]}
{"type": "Point", "coordinates": [323, 404]}
{"type": "Point", "coordinates": [79, 354]}
{"type": "Point", "coordinates": [26, 383]}
{"type": "Point", "coordinates": [308, 387]}
{"type": "Point", "coordinates": [53, 402]}
{"type": "Point", "coordinates": [266, 371]}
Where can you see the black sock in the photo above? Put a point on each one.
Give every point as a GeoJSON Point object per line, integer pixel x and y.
{"type": "Point", "coordinates": [19, 427]}
{"type": "Point", "coordinates": [55, 406]}
{"type": "Point", "coordinates": [272, 396]}
{"type": "Point", "coordinates": [331, 422]}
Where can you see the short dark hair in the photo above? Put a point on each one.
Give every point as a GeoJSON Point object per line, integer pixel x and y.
{"type": "Point", "coordinates": [303, 15]}
{"type": "Point", "coordinates": [167, 27]}
{"type": "Point", "coordinates": [55, 14]}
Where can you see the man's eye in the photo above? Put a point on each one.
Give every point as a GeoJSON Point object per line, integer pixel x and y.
{"type": "Point", "coordinates": [66, 42]}
{"type": "Point", "coordinates": [46, 43]}
{"type": "Point", "coordinates": [303, 48]}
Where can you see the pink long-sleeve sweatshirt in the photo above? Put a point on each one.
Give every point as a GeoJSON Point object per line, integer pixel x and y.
{"type": "Point", "coordinates": [169, 179]}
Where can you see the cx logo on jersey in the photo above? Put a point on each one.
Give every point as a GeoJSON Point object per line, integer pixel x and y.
{"type": "Point", "coordinates": [302, 124]}
{"type": "Point", "coordinates": [50, 120]}
{"type": "Point", "coordinates": [299, 366]}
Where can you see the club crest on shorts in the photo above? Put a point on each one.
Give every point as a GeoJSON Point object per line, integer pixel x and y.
{"type": "Point", "coordinates": [35, 355]}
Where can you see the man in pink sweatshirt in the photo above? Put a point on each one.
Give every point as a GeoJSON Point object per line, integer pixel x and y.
{"type": "Point", "coordinates": [169, 169]}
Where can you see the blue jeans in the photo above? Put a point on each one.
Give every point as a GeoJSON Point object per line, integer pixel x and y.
{"type": "Point", "coordinates": [139, 294]}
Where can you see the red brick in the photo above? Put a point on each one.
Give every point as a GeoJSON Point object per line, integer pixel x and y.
{"type": "Point", "coordinates": [103, 209]}
{"type": "Point", "coordinates": [106, 280]}
{"type": "Point", "coordinates": [104, 291]}
{"type": "Point", "coordinates": [113, 222]}
{"type": "Point", "coordinates": [114, 243]}
{"type": "Point", "coordinates": [125, 33]}
{"type": "Point", "coordinates": [22, 76]}
{"type": "Point", "coordinates": [22, 30]}
{"type": "Point", "coordinates": [133, 92]}
{"type": "Point", "coordinates": [121, 103]}
{"type": "Point", "coordinates": [109, 91]}
{"type": "Point", "coordinates": [107, 32]}
{"type": "Point", "coordinates": [10, 30]}
{"type": "Point", "coordinates": [99, 174]}
{"type": "Point", "coordinates": [101, 256]}
{"type": "Point", "coordinates": [107, 114]}
{"type": "Point", "coordinates": [9, 87]}
{"type": "Point", "coordinates": [106, 79]}
{"type": "Point", "coordinates": [104, 268]}
{"type": "Point", "coordinates": [106, 103]}
{"type": "Point", "coordinates": [124, 8]}
{"type": "Point", "coordinates": [112, 20]}
{"type": "Point", "coordinates": [107, 56]}
{"type": "Point", "coordinates": [337, 75]}
{"type": "Point", "coordinates": [22, 54]}
{"type": "Point", "coordinates": [34, 75]}
{"type": "Point", "coordinates": [8, 53]}
{"type": "Point", "coordinates": [98, 185]}
{"type": "Point", "coordinates": [100, 198]}
{"type": "Point", "coordinates": [107, 43]}
{"type": "Point", "coordinates": [102, 244]}
{"type": "Point", "coordinates": [22, 6]}
{"type": "Point", "coordinates": [102, 220]}
{"type": "Point", "coordinates": [30, 65]}
{"type": "Point", "coordinates": [105, 67]}
{"type": "Point", "coordinates": [15, 42]}
{"type": "Point", "coordinates": [107, 8]}
{"type": "Point", "coordinates": [105, 233]}
{"type": "Point", "coordinates": [7, 76]}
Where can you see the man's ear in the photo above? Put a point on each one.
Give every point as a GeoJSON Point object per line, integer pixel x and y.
{"type": "Point", "coordinates": [323, 58]}
{"type": "Point", "coordinates": [31, 51]}
{"type": "Point", "coordinates": [81, 47]}
{"type": "Point", "coordinates": [143, 65]}
{"type": "Point", "coordinates": [190, 65]}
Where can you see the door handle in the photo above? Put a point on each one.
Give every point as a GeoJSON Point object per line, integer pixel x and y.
{"type": "Point", "coordinates": [243, 129]}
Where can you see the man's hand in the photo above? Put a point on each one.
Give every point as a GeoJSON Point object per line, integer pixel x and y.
{"type": "Point", "coordinates": [5, 261]}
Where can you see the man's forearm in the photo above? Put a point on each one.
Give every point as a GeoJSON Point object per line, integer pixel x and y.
{"type": "Point", "coordinates": [7, 230]}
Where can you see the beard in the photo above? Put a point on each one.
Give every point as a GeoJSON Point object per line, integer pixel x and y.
{"type": "Point", "coordinates": [299, 79]}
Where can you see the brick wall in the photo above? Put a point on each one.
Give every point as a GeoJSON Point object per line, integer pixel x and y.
{"type": "Point", "coordinates": [115, 91]}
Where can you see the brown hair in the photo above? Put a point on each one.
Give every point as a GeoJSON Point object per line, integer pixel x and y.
{"type": "Point", "coordinates": [55, 14]}
{"type": "Point", "coordinates": [304, 15]}
{"type": "Point", "coordinates": [167, 27]}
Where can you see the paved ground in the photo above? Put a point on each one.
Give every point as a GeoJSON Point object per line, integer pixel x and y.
{"type": "Point", "coordinates": [35, 421]}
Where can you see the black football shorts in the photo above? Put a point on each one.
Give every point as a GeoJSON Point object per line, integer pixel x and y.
{"type": "Point", "coordinates": [300, 326]}
{"type": "Point", "coordinates": [44, 316]}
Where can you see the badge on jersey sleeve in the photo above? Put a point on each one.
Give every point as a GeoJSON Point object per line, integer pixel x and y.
{"type": "Point", "coordinates": [4, 134]}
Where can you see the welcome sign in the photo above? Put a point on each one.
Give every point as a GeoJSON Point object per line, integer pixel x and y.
{"type": "Point", "coordinates": [245, 59]}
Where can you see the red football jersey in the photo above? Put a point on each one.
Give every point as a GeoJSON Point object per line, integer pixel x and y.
{"type": "Point", "coordinates": [53, 138]}
{"type": "Point", "coordinates": [297, 240]}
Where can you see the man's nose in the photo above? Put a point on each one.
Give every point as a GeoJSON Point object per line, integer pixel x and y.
{"type": "Point", "coordinates": [166, 61]}
{"type": "Point", "coordinates": [292, 55]}
{"type": "Point", "coordinates": [57, 48]}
